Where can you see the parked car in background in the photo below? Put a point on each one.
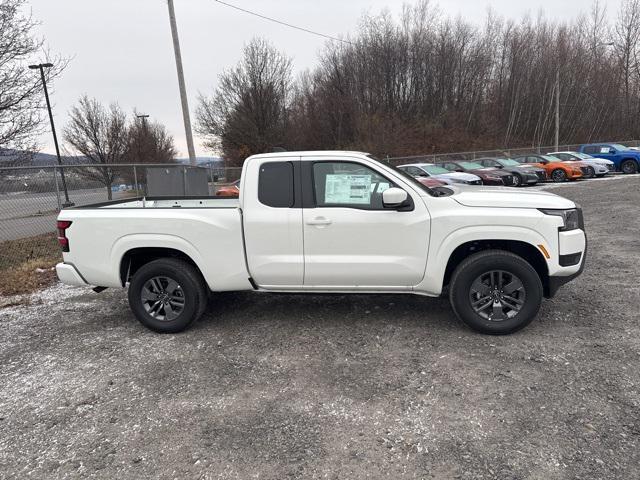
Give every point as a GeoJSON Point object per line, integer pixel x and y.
{"type": "Point", "coordinates": [625, 159]}
{"type": "Point", "coordinates": [429, 170]}
{"type": "Point", "coordinates": [489, 176]}
{"type": "Point", "coordinates": [231, 190]}
{"type": "Point", "coordinates": [557, 170]}
{"type": "Point", "coordinates": [522, 174]}
{"type": "Point", "coordinates": [598, 167]}
{"type": "Point", "coordinates": [431, 182]}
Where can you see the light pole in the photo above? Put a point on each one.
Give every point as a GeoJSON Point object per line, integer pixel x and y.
{"type": "Point", "coordinates": [41, 67]}
{"type": "Point", "coordinates": [557, 91]}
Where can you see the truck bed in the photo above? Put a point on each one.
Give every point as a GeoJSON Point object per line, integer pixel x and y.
{"type": "Point", "coordinates": [168, 202]}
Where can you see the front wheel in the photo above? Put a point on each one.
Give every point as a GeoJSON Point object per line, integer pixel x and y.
{"type": "Point", "coordinates": [591, 172]}
{"type": "Point", "coordinates": [559, 175]}
{"type": "Point", "coordinates": [629, 166]}
{"type": "Point", "coordinates": [495, 292]}
{"type": "Point", "coordinates": [167, 295]}
{"type": "Point", "coordinates": [517, 180]}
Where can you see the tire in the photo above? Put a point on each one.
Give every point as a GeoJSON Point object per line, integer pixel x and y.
{"type": "Point", "coordinates": [167, 295]}
{"type": "Point", "coordinates": [471, 281]}
{"type": "Point", "coordinates": [517, 180]}
{"type": "Point", "coordinates": [559, 175]}
{"type": "Point", "coordinates": [592, 172]}
{"type": "Point", "coordinates": [629, 166]}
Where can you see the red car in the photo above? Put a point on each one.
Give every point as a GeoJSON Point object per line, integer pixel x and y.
{"type": "Point", "coordinates": [430, 182]}
{"type": "Point", "coordinates": [230, 190]}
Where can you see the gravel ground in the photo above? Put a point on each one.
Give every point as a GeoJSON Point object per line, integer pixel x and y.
{"type": "Point", "coordinates": [331, 386]}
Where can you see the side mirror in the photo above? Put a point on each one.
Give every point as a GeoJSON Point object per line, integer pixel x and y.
{"type": "Point", "coordinates": [499, 166]}
{"type": "Point", "coordinates": [394, 197]}
{"type": "Point", "coordinates": [612, 151]}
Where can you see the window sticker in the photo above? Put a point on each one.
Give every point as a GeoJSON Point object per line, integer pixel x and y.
{"type": "Point", "coordinates": [347, 189]}
{"type": "Point", "coordinates": [604, 149]}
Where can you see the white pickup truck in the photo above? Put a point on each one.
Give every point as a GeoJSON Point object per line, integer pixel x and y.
{"type": "Point", "coordinates": [330, 221]}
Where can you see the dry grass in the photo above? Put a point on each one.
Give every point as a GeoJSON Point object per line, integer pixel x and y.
{"type": "Point", "coordinates": [26, 264]}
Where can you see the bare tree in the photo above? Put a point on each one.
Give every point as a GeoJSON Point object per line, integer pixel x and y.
{"type": "Point", "coordinates": [21, 98]}
{"type": "Point", "coordinates": [248, 112]}
{"type": "Point", "coordinates": [99, 134]}
{"type": "Point", "coordinates": [149, 142]}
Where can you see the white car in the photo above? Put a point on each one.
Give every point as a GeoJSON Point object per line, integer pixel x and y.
{"type": "Point", "coordinates": [329, 222]}
{"type": "Point", "coordinates": [599, 166]}
{"type": "Point", "coordinates": [440, 173]}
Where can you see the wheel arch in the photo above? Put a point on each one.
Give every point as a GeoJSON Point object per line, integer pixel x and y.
{"type": "Point", "coordinates": [523, 249]}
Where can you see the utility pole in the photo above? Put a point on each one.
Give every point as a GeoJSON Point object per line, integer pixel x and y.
{"type": "Point", "coordinates": [557, 108]}
{"type": "Point", "coordinates": [181, 84]}
{"type": "Point", "coordinates": [41, 67]}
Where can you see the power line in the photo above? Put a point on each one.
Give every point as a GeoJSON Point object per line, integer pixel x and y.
{"type": "Point", "coordinates": [302, 29]}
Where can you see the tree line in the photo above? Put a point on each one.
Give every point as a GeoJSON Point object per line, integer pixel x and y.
{"type": "Point", "coordinates": [99, 134]}
{"type": "Point", "coordinates": [427, 83]}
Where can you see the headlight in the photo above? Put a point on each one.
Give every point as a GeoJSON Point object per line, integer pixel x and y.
{"type": "Point", "coordinates": [571, 219]}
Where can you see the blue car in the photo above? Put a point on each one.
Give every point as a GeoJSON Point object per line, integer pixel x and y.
{"type": "Point", "coordinates": [625, 159]}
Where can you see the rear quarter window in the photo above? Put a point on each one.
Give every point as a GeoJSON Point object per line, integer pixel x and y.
{"type": "Point", "coordinates": [275, 184]}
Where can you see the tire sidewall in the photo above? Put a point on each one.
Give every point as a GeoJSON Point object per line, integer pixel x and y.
{"type": "Point", "coordinates": [517, 178]}
{"type": "Point", "coordinates": [633, 167]}
{"type": "Point", "coordinates": [189, 288]}
{"type": "Point", "coordinates": [561, 176]}
{"type": "Point", "coordinates": [459, 293]}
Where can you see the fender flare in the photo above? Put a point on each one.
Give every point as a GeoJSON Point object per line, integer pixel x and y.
{"type": "Point", "coordinates": [144, 240]}
{"type": "Point", "coordinates": [437, 263]}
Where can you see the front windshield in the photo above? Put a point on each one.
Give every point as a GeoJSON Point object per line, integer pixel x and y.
{"type": "Point", "coordinates": [617, 146]}
{"type": "Point", "coordinates": [433, 169]}
{"type": "Point", "coordinates": [584, 156]}
{"type": "Point", "coordinates": [409, 178]}
{"type": "Point", "coordinates": [470, 165]}
{"type": "Point", "coordinates": [507, 162]}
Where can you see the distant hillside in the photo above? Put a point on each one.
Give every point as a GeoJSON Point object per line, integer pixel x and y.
{"type": "Point", "coordinates": [203, 161]}
{"type": "Point", "coordinates": [22, 158]}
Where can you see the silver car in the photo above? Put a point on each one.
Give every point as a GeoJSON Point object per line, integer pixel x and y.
{"type": "Point", "coordinates": [439, 173]}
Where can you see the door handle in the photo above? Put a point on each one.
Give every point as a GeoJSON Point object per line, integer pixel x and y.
{"type": "Point", "coordinates": [319, 221]}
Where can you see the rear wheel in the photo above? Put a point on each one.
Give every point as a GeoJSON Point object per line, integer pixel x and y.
{"type": "Point", "coordinates": [495, 292]}
{"type": "Point", "coordinates": [629, 166]}
{"type": "Point", "coordinates": [167, 295]}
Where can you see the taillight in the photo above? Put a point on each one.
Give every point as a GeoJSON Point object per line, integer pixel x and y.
{"type": "Point", "coordinates": [62, 234]}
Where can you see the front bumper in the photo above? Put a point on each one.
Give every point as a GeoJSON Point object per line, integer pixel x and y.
{"type": "Point", "coordinates": [68, 274]}
{"type": "Point", "coordinates": [556, 281]}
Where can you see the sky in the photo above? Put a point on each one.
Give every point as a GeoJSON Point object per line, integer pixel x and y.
{"type": "Point", "coordinates": [121, 50]}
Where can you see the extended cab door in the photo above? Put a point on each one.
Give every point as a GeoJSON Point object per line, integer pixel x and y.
{"type": "Point", "coordinates": [272, 221]}
{"type": "Point", "coordinates": [350, 240]}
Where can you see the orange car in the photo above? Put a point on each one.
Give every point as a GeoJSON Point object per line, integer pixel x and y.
{"type": "Point", "coordinates": [230, 190]}
{"type": "Point", "coordinates": [557, 170]}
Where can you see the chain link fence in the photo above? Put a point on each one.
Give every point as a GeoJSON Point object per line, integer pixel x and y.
{"type": "Point", "coordinates": [504, 152]}
{"type": "Point", "coordinates": [31, 198]}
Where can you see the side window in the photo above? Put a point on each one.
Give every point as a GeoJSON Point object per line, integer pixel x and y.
{"type": "Point", "coordinates": [346, 184]}
{"type": "Point", "coordinates": [562, 156]}
{"type": "Point", "coordinates": [590, 149]}
{"type": "Point", "coordinates": [449, 166]}
{"type": "Point", "coordinates": [275, 184]}
{"type": "Point", "coordinates": [415, 171]}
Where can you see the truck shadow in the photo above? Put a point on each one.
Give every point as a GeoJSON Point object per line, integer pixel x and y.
{"type": "Point", "coordinates": [249, 308]}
